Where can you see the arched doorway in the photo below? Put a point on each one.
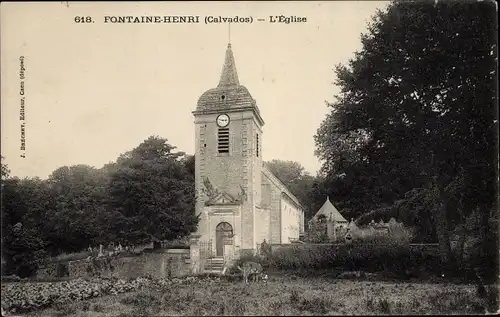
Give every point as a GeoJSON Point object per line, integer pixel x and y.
{"type": "Point", "coordinates": [223, 236]}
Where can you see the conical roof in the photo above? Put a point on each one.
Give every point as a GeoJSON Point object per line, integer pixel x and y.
{"type": "Point", "coordinates": [229, 93]}
{"type": "Point", "coordinates": [229, 75]}
{"type": "Point", "coordinates": [330, 212]}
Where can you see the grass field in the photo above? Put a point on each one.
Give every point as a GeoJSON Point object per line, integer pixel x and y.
{"type": "Point", "coordinates": [282, 296]}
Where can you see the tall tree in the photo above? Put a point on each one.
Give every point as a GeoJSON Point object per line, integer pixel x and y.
{"type": "Point", "coordinates": [23, 205]}
{"type": "Point", "coordinates": [152, 194]}
{"type": "Point", "coordinates": [76, 219]}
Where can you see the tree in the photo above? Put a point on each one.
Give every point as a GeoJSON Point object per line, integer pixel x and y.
{"type": "Point", "coordinates": [295, 178]}
{"type": "Point", "coordinates": [22, 238]}
{"type": "Point", "coordinates": [415, 111]}
{"type": "Point", "coordinates": [289, 172]}
{"type": "Point", "coordinates": [5, 170]}
{"type": "Point", "coordinates": [189, 163]}
{"type": "Point", "coordinates": [152, 194]}
{"type": "Point", "coordinates": [76, 219]}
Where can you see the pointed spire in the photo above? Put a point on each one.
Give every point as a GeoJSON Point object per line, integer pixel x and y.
{"type": "Point", "coordinates": [229, 75]}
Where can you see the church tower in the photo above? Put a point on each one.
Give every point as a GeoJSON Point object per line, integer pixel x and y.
{"type": "Point", "coordinates": [228, 162]}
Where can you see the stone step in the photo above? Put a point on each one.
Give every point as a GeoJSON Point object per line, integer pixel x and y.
{"type": "Point", "coordinates": [215, 260]}
{"type": "Point", "coordinates": [212, 271]}
{"type": "Point", "coordinates": [214, 267]}
{"type": "Point", "coordinates": [220, 271]}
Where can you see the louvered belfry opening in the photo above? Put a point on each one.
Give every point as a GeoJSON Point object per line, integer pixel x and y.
{"type": "Point", "coordinates": [223, 140]}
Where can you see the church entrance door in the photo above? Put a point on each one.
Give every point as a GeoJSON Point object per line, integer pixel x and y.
{"type": "Point", "coordinates": [223, 236]}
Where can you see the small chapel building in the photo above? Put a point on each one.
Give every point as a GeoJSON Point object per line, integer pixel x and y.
{"type": "Point", "coordinates": [240, 202]}
{"type": "Point", "coordinates": [329, 223]}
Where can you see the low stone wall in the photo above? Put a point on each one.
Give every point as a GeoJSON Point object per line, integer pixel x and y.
{"type": "Point", "coordinates": [161, 263]}
{"type": "Point", "coordinates": [156, 263]}
{"type": "Point", "coordinates": [53, 270]}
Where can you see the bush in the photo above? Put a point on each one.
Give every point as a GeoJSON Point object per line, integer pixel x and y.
{"type": "Point", "coordinates": [392, 257]}
{"type": "Point", "coordinates": [398, 235]}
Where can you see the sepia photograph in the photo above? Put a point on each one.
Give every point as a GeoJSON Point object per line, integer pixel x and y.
{"type": "Point", "coordinates": [239, 158]}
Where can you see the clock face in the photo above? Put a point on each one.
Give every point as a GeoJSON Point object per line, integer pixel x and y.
{"type": "Point", "coordinates": [223, 120]}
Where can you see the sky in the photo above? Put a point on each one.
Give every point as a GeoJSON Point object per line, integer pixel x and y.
{"type": "Point", "coordinates": [93, 90]}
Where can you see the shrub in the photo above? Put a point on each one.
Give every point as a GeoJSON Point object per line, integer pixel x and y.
{"type": "Point", "coordinates": [392, 256]}
{"type": "Point", "coordinates": [385, 306]}
{"type": "Point", "coordinates": [398, 235]}
{"type": "Point", "coordinates": [294, 296]}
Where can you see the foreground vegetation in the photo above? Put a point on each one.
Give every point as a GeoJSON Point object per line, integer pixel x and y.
{"type": "Point", "coordinates": [370, 251]}
{"type": "Point", "coordinates": [280, 296]}
{"type": "Point", "coordinates": [26, 296]}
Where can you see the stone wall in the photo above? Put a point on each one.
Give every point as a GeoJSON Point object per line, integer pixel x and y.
{"type": "Point", "coordinates": [160, 263]}
{"type": "Point", "coordinates": [290, 220]}
{"type": "Point", "coordinates": [275, 215]}
{"type": "Point", "coordinates": [262, 225]}
{"type": "Point", "coordinates": [53, 270]}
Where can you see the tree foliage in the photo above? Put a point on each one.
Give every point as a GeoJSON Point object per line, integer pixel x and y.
{"type": "Point", "coordinates": [5, 170]}
{"type": "Point", "coordinates": [147, 194]}
{"type": "Point", "coordinates": [152, 194]}
{"type": "Point", "coordinates": [413, 129]}
{"type": "Point", "coordinates": [23, 247]}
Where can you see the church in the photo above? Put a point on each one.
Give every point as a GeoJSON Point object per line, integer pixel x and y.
{"type": "Point", "coordinates": [240, 202]}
